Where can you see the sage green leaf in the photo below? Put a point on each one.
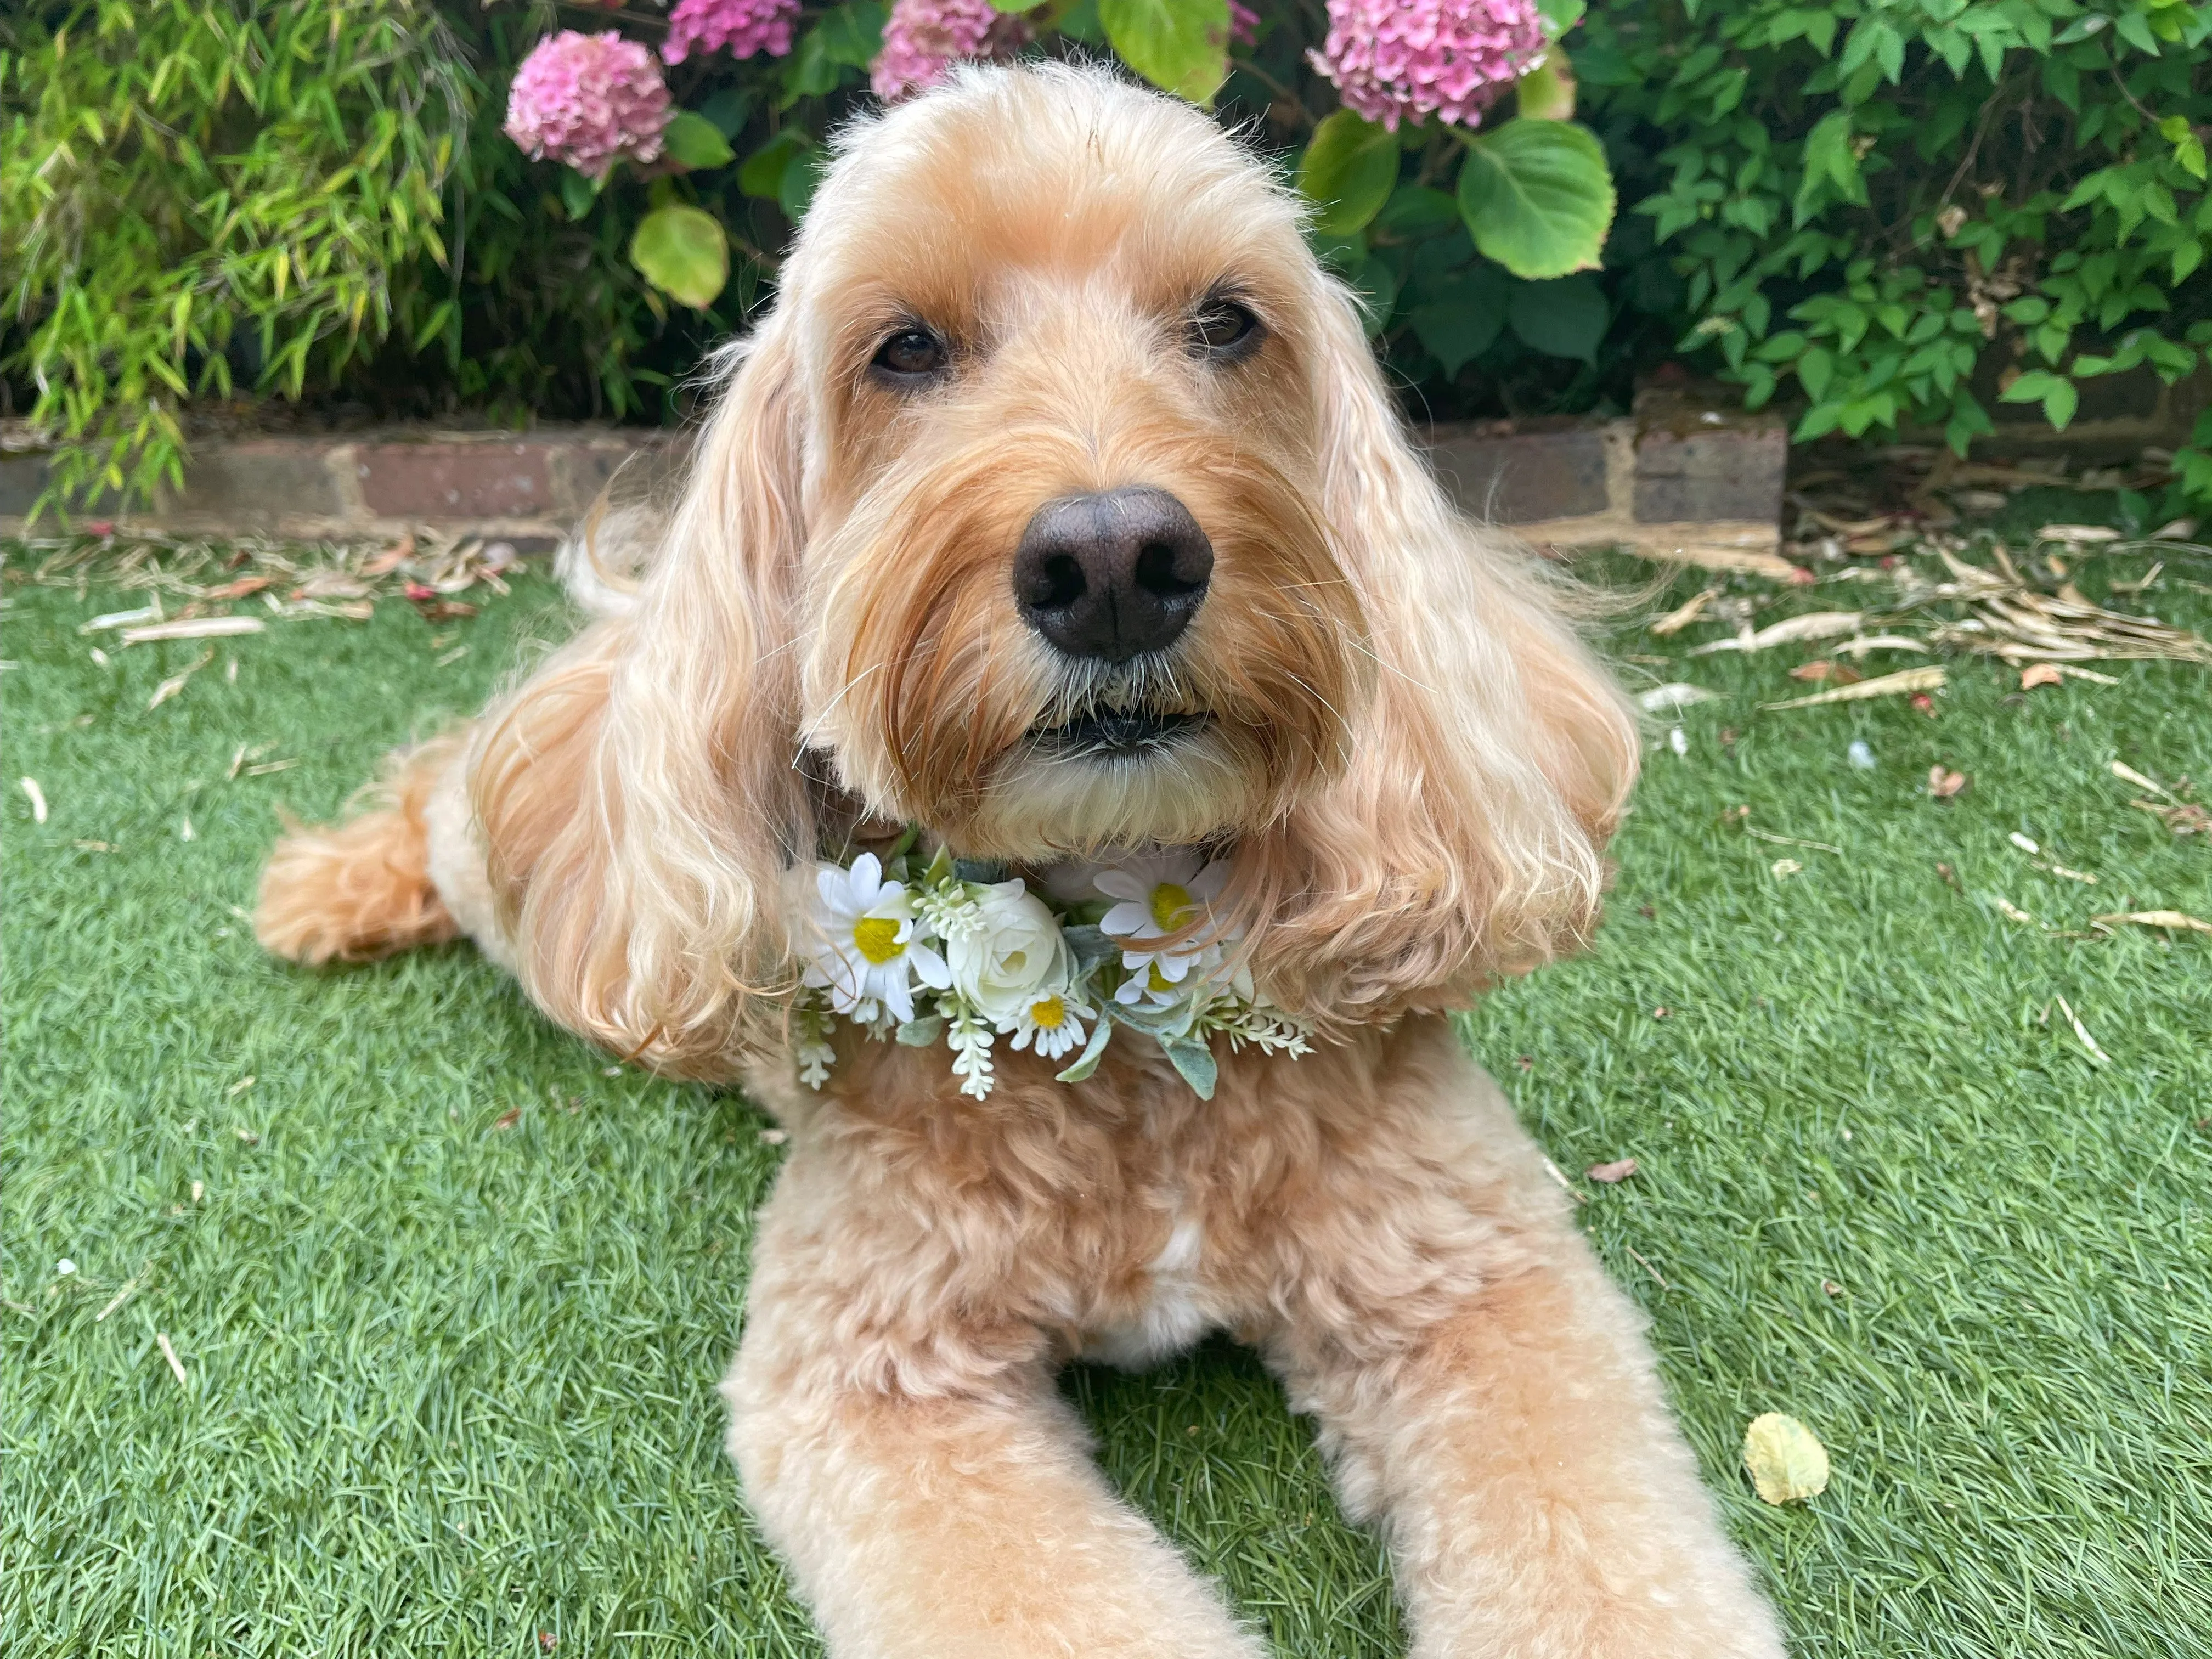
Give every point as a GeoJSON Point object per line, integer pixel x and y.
{"type": "Point", "coordinates": [1182, 45]}
{"type": "Point", "coordinates": [1537, 196]}
{"type": "Point", "coordinates": [1194, 1061]}
{"type": "Point", "coordinates": [1090, 946]}
{"type": "Point", "coordinates": [922, 1031]}
{"type": "Point", "coordinates": [1087, 1061]}
{"type": "Point", "coordinates": [696, 142]}
{"type": "Point", "coordinates": [682, 252]}
{"type": "Point", "coordinates": [1347, 172]}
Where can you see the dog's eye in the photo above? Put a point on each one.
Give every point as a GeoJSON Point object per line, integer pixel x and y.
{"type": "Point", "coordinates": [1225, 330]}
{"type": "Point", "coordinates": [911, 353]}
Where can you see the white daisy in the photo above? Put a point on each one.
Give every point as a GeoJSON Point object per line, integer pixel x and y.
{"type": "Point", "coordinates": [1053, 1023]}
{"type": "Point", "coordinates": [1160, 894]}
{"type": "Point", "coordinates": [870, 955]}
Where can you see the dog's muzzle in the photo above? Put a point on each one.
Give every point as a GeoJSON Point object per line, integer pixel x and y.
{"type": "Point", "coordinates": [1113, 576]}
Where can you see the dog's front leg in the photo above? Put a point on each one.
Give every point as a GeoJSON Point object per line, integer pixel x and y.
{"type": "Point", "coordinates": [1486, 1395]}
{"type": "Point", "coordinates": [1538, 1500]}
{"type": "Point", "coordinates": [955, 1517]}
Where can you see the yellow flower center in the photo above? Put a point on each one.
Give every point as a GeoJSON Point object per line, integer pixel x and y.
{"type": "Point", "coordinates": [1050, 1014]}
{"type": "Point", "coordinates": [1157, 981]}
{"type": "Point", "coordinates": [1171, 904]}
{"type": "Point", "coordinates": [878, 938]}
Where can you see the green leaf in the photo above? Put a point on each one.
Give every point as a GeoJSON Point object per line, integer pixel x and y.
{"type": "Point", "coordinates": [1182, 45]}
{"type": "Point", "coordinates": [1377, 286]}
{"type": "Point", "coordinates": [727, 109]}
{"type": "Point", "coordinates": [852, 34]}
{"type": "Point", "coordinates": [1560, 15]}
{"type": "Point", "coordinates": [682, 252]}
{"type": "Point", "coordinates": [696, 142]}
{"type": "Point", "coordinates": [1537, 196]}
{"type": "Point", "coordinates": [2059, 404]}
{"type": "Point", "coordinates": [2030, 387]}
{"type": "Point", "coordinates": [1547, 93]}
{"type": "Point", "coordinates": [1829, 160]}
{"type": "Point", "coordinates": [762, 174]}
{"type": "Point", "coordinates": [1347, 172]}
{"type": "Point", "coordinates": [1194, 1059]}
{"type": "Point", "coordinates": [1415, 212]}
{"type": "Point", "coordinates": [923, 1031]}
{"type": "Point", "coordinates": [577, 194]}
{"type": "Point", "coordinates": [1463, 318]}
{"type": "Point", "coordinates": [1564, 318]}
{"type": "Point", "coordinates": [795, 190]}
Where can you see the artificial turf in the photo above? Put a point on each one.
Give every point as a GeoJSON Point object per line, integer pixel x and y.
{"type": "Point", "coordinates": [455, 1293]}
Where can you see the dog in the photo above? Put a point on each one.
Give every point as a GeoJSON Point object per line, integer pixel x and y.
{"type": "Point", "coordinates": [1058, 507]}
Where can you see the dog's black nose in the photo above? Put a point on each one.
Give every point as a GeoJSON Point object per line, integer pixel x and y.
{"type": "Point", "coordinates": [1112, 575]}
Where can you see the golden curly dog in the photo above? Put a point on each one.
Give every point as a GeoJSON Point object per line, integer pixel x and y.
{"type": "Point", "coordinates": [1060, 507]}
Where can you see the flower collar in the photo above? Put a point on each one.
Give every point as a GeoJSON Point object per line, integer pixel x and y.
{"type": "Point", "coordinates": [953, 951]}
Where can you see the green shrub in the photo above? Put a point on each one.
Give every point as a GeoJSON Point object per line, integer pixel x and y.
{"type": "Point", "coordinates": [1886, 216]}
{"type": "Point", "coordinates": [190, 188]}
{"type": "Point", "coordinates": [1900, 211]}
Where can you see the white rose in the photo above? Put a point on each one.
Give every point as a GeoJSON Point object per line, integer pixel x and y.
{"type": "Point", "coordinates": [1014, 956]}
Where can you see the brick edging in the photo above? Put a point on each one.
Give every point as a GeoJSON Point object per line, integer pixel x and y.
{"type": "Point", "coordinates": [1673, 472]}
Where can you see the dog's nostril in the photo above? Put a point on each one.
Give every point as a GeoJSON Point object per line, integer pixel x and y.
{"type": "Point", "coordinates": [1055, 584]}
{"type": "Point", "coordinates": [1155, 572]}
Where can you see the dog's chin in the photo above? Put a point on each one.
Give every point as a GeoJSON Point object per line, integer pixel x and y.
{"type": "Point", "coordinates": [1110, 778]}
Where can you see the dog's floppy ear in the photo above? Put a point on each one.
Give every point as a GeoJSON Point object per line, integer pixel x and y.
{"type": "Point", "coordinates": [642, 815]}
{"type": "Point", "coordinates": [1463, 839]}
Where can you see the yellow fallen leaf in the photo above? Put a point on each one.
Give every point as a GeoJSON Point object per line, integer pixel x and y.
{"type": "Point", "coordinates": [1676, 620]}
{"type": "Point", "coordinates": [1787, 1461]}
{"type": "Point", "coordinates": [2178, 920]}
{"type": "Point", "coordinates": [1884, 685]}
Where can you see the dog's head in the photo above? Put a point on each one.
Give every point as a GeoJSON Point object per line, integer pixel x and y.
{"type": "Point", "coordinates": [1060, 505]}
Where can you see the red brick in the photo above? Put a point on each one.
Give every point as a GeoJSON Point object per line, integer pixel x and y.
{"type": "Point", "coordinates": [647, 467]}
{"type": "Point", "coordinates": [256, 482]}
{"type": "Point", "coordinates": [498, 480]}
{"type": "Point", "coordinates": [1522, 477]}
{"type": "Point", "coordinates": [1704, 467]}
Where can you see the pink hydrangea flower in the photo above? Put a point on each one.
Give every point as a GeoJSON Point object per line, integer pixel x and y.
{"type": "Point", "coordinates": [588, 100]}
{"type": "Point", "coordinates": [1408, 59]}
{"type": "Point", "coordinates": [925, 38]}
{"type": "Point", "coordinates": [744, 27]}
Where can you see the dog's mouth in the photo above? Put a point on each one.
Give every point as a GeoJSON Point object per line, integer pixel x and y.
{"type": "Point", "coordinates": [1116, 733]}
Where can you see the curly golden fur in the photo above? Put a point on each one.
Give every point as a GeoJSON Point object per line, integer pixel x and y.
{"type": "Point", "coordinates": [1409, 756]}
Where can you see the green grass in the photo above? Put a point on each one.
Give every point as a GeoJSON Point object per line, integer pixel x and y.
{"type": "Point", "coordinates": [451, 1384]}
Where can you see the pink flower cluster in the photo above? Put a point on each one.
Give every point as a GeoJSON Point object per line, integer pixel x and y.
{"type": "Point", "coordinates": [744, 27]}
{"type": "Point", "coordinates": [925, 38]}
{"type": "Point", "coordinates": [588, 100]}
{"type": "Point", "coordinates": [1408, 59]}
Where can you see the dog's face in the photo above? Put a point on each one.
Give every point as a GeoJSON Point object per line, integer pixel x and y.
{"type": "Point", "coordinates": [1066, 578]}
{"type": "Point", "coordinates": [1059, 504]}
